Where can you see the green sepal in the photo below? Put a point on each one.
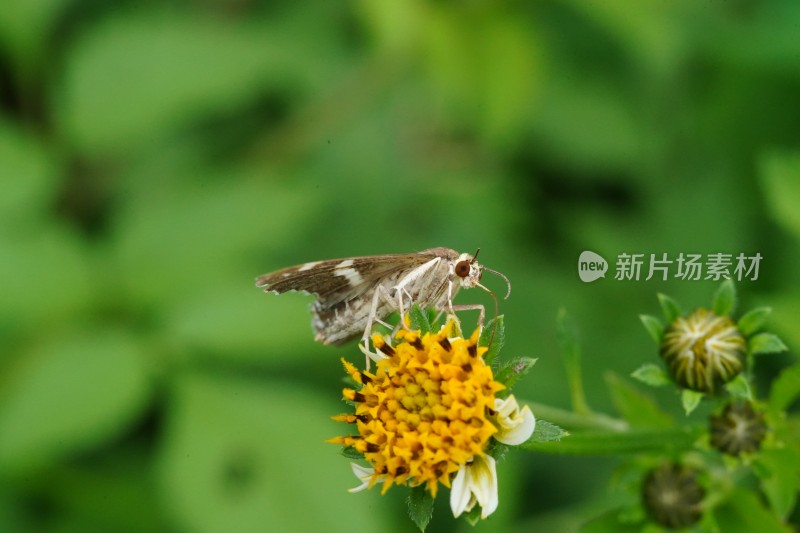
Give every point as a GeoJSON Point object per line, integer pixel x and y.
{"type": "Point", "coordinates": [690, 400]}
{"type": "Point", "coordinates": [418, 320]}
{"type": "Point", "coordinates": [765, 343]}
{"type": "Point", "coordinates": [753, 320]}
{"type": "Point", "coordinates": [669, 307]}
{"type": "Point", "coordinates": [511, 372]}
{"type": "Point", "coordinates": [351, 453]}
{"type": "Point", "coordinates": [739, 387]}
{"type": "Point", "coordinates": [653, 326]}
{"type": "Point", "coordinates": [652, 375]}
{"type": "Point", "coordinates": [724, 299]}
{"type": "Point", "coordinates": [546, 432]}
{"type": "Point", "coordinates": [497, 342]}
{"type": "Point", "coordinates": [420, 506]}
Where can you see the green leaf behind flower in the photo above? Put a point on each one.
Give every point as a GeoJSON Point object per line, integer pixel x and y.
{"type": "Point", "coordinates": [595, 442]}
{"type": "Point", "coordinates": [652, 375]}
{"type": "Point", "coordinates": [420, 506]}
{"type": "Point", "coordinates": [724, 299]}
{"type": "Point", "coordinates": [638, 409]}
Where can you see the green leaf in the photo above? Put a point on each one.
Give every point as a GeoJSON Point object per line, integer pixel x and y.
{"type": "Point", "coordinates": [765, 343]}
{"type": "Point", "coordinates": [511, 372]}
{"type": "Point", "coordinates": [690, 400]}
{"type": "Point", "coordinates": [547, 432]}
{"type": "Point", "coordinates": [568, 341]}
{"type": "Point", "coordinates": [69, 395]}
{"type": "Point", "coordinates": [753, 320]}
{"type": "Point", "coordinates": [785, 390]}
{"type": "Point", "coordinates": [669, 308]}
{"type": "Point", "coordinates": [351, 453]}
{"type": "Point", "coordinates": [618, 442]}
{"type": "Point", "coordinates": [739, 387]}
{"type": "Point", "coordinates": [724, 299]}
{"type": "Point", "coordinates": [743, 511]}
{"type": "Point", "coordinates": [240, 474]}
{"type": "Point", "coordinates": [652, 375]}
{"type": "Point", "coordinates": [653, 326]}
{"type": "Point", "coordinates": [420, 506]}
{"type": "Point", "coordinates": [493, 337]}
{"type": "Point", "coordinates": [418, 320]}
{"type": "Point", "coordinates": [635, 407]}
{"type": "Point", "coordinates": [779, 471]}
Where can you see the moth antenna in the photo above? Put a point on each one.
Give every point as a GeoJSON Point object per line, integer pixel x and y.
{"type": "Point", "coordinates": [475, 255]}
{"type": "Point", "coordinates": [496, 312]}
{"type": "Point", "coordinates": [508, 283]}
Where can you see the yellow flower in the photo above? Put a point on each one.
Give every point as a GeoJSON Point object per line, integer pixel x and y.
{"type": "Point", "coordinates": [424, 415]}
{"type": "Point", "coordinates": [703, 350]}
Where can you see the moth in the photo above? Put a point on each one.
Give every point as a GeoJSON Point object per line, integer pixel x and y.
{"type": "Point", "coordinates": [354, 293]}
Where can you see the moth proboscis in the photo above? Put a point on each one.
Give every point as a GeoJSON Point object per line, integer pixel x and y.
{"type": "Point", "coordinates": [354, 293]}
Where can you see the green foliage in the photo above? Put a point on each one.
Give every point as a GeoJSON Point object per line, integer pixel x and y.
{"type": "Point", "coordinates": [653, 326]}
{"type": "Point", "coordinates": [156, 158]}
{"type": "Point", "coordinates": [724, 299]}
{"type": "Point", "coordinates": [494, 337]}
{"type": "Point", "coordinates": [420, 506]}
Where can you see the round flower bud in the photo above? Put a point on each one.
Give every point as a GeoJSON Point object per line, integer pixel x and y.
{"type": "Point", "coordinates": [672, 496]}
{"type": "Point", "coordinates": [738, 429]}
{"type": "Point", "coordinates": [703, 350]}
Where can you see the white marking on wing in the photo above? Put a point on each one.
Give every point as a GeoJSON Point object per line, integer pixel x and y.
{"type": "Point", "coordinates": [351, 274]}
{"type": "Point", "coordinates": [344, 264]}
{"type": "Point", "coordinates": [308, 266]}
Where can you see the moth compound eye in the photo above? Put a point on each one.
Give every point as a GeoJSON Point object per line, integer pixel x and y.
{"type": "Point", "coordinates": [462, 269]}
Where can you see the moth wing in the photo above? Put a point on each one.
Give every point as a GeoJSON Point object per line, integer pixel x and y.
{"type": "Point", "coordinates": [338, 280]}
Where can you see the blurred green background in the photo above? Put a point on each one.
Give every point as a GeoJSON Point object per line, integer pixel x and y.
{"type": "Point", "coordinates": [156, 156]}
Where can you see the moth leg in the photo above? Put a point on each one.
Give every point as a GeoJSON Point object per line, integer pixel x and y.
{"type": "Point", "coordinates": [471, 307]}
{"type": "Point", "coordinates": [371, 319]}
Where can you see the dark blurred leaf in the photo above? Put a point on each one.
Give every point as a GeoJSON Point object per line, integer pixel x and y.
{"type": "Point", "coordinates": [780, 179]}
{"type": "Point", "coordinates": [743, 511]}
{"type": "Point", "coordinates": [569, 343]}
{"type": "Point", "coordinates": [618, 442]}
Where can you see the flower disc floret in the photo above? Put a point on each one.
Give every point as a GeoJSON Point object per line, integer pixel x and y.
{"type": "Point", "coordinates": [424, 413]}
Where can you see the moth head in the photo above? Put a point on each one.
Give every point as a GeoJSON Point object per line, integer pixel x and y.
{"type": "Point", "coordinates": [467, 270]}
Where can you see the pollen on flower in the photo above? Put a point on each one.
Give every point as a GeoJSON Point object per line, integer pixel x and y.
{"type": "Point", "coordinates": [703, 350]}
{"type": "Point", "coordinates": [424, 413]}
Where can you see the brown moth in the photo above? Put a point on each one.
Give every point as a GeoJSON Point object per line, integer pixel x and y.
{"type": "Point", "coordinates": [353, 293]}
